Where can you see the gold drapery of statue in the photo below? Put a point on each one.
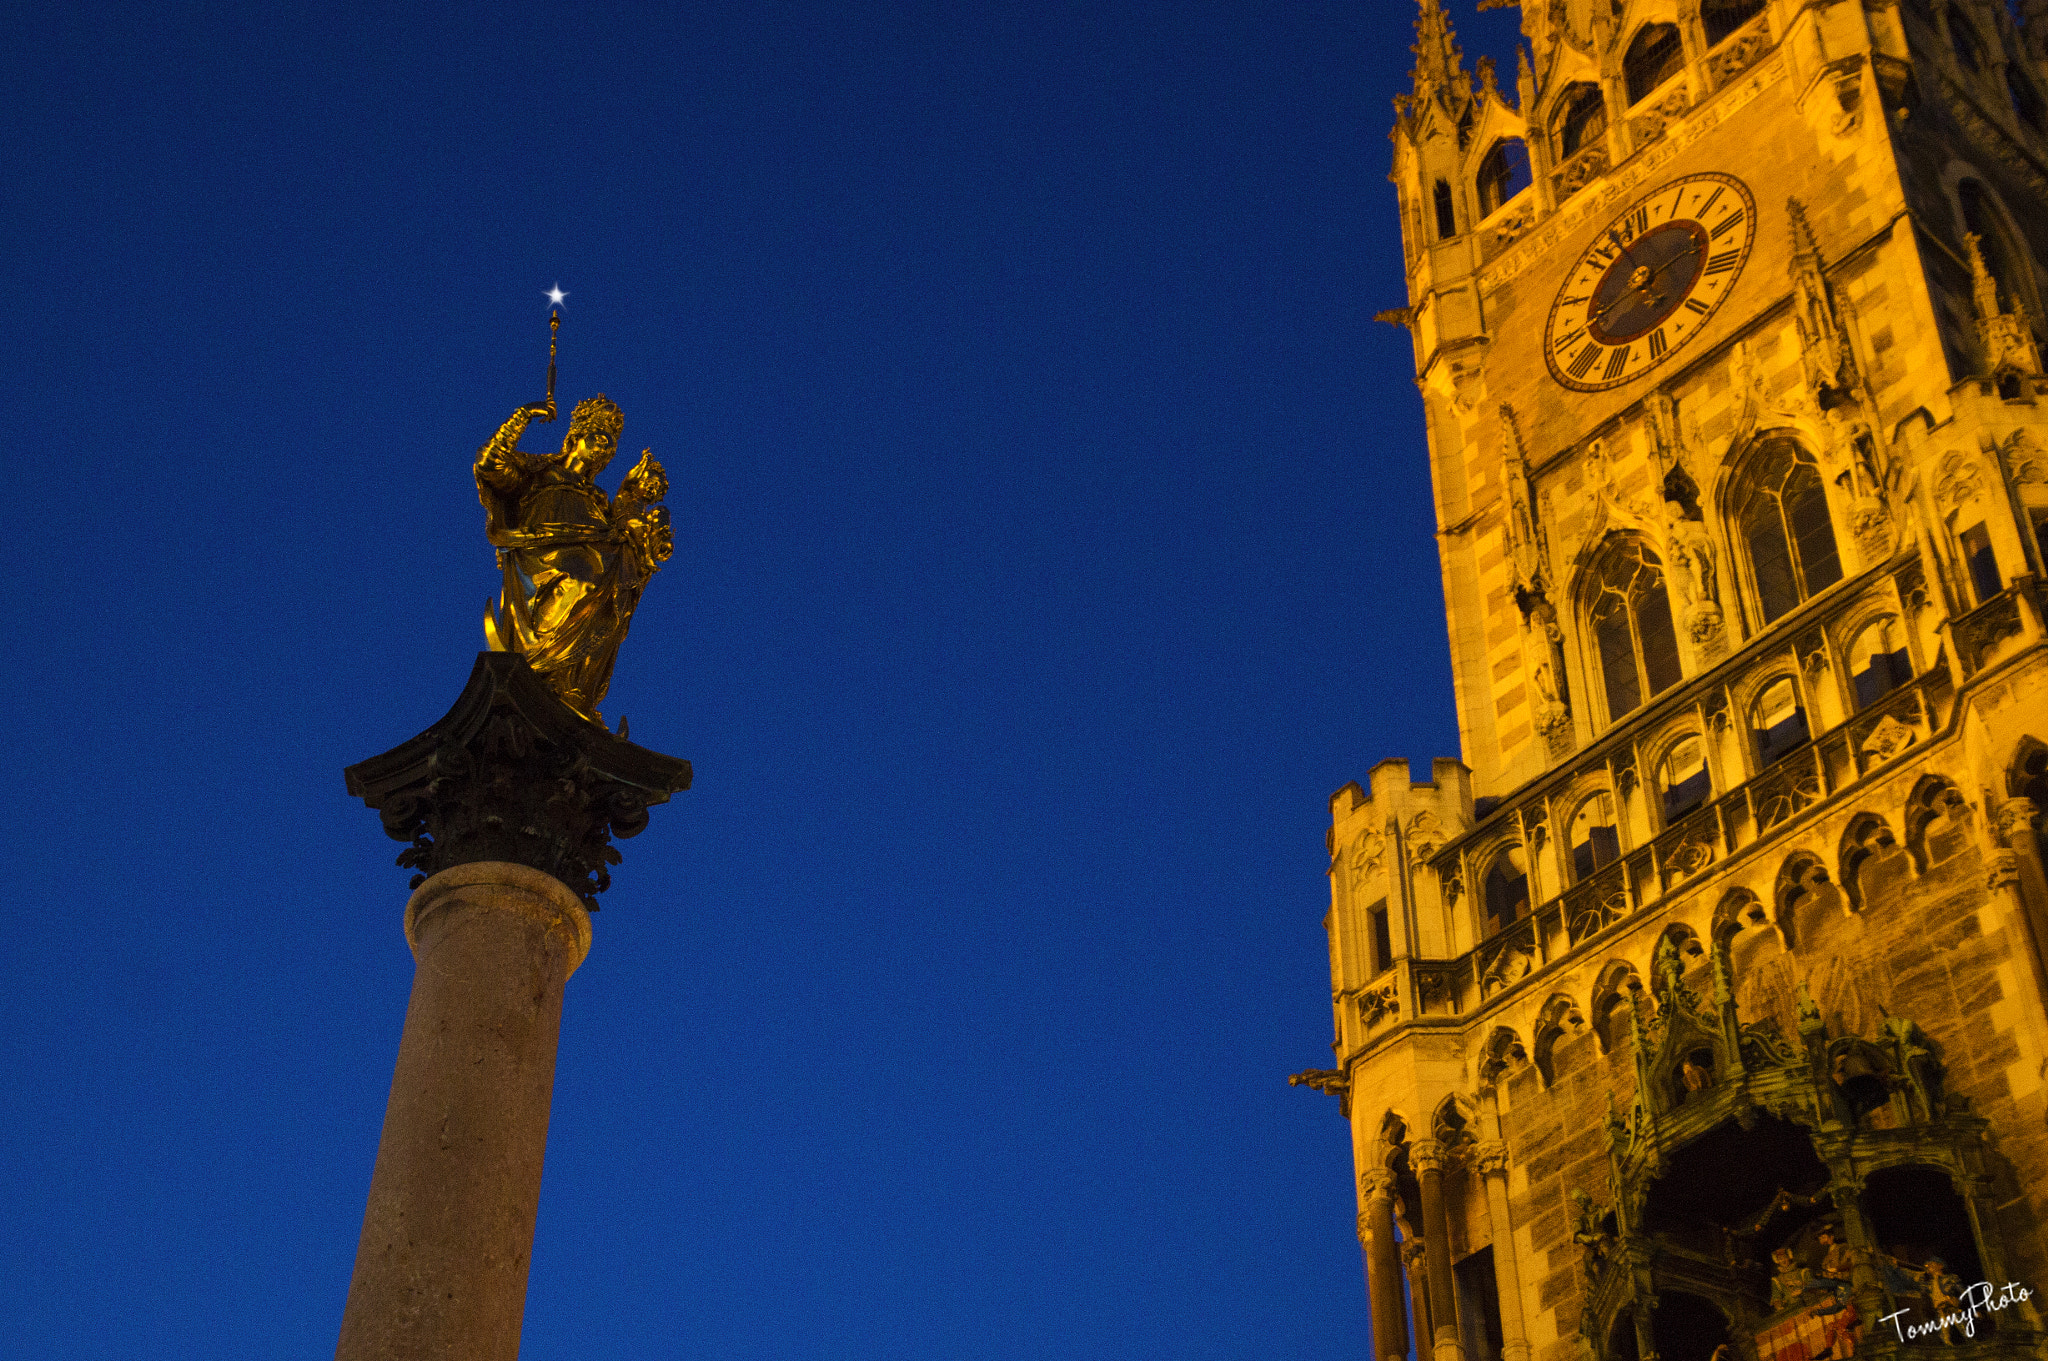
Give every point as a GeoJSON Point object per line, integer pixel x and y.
{"type": "Point", "coordinates": [574, 561]}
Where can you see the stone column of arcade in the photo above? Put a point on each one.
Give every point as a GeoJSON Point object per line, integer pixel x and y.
{"type": "Point", "coordinates": [1492, 1160]}
{"type": "Point", "coordinates": [1426, 1156]}
{"type": "Point", "coordinates": [509, 803]}
{"type": "Point", "coordinates": [1383, 1266]}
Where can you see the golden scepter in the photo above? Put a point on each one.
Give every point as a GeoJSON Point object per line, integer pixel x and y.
{"type": "Point", "coordinates": [554, 297]}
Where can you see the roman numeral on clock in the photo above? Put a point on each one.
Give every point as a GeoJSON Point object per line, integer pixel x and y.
{"type": "Point", "coordinates": [1657, 343]}
{"type": "Point", "coordinates": [1570, 302]}
{"type": "Point", "coordinates": [1582, 363]}
{"type": "Point", "coordinates": [1723, 262]}
{"type": "Point", "coordinates": [1694, 305]}
{"type": "Point", "coordinates": [1564, 342]}
{"type": "Point", "coordinates": [1616, 362]}
{"type": "Point", "coordinates": [1708, 205]}
{"type": "Point", "coordinates": [1727, 223]}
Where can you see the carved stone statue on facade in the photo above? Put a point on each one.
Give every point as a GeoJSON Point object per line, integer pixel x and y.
{"type": "Point", "coordinates": [1691, 551]}
{"type": "Point", "coordinates": [1591, 1229]}
{"type": "Point", "coordinates": [574, 560]}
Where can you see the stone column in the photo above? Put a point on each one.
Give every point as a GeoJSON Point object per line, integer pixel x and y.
{"type": "Point", "coordinates": [1418, 1293]}
{"type": "Point", "coordinates": [1383, 1266]}
{"type": "Point", "coordinates": [1427, 1157]}
{"type": "Point", "coordinates": [509, 805]}
{"type": "Point", "coordinates": [1493, 1167]}
{"type": "Point", "coordinates": [441, 1267]}
{"type": "Point", "coordinates": [2017, 872]}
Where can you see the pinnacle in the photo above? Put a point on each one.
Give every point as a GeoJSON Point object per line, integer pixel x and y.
{"type": "Point", "coordinates": [1438, 62]}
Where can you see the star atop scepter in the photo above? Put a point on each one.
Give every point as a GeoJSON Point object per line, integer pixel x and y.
{"type": "Point", "coordinates": [554, 296]}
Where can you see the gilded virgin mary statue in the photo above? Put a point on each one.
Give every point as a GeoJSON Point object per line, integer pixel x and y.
{"type": "Point", "coordinates": [574, 560]}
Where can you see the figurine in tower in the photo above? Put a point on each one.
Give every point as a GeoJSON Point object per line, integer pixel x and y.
{"type": "Point", "coordinates": [1789, 1282]}
{"type": "Point", "coordinates": [574, 560]}
{"type": "Point", "coordinates": [1842, 1329]}
{"type": "Point", "coordinates": [1944, 1289]}
{"type": "Point", "coordinates": [1835, 1264]}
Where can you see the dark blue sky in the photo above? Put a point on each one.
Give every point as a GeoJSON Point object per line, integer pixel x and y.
{"type": "Point", "coordinates": [1053, 536]}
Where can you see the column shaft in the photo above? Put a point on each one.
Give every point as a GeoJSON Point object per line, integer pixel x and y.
{"type": "Point", "coordinates": [1427, 1157]}
{"type": "Point", "coordinates": [1383, 1268]}
{"type": "Point", "coordinates": [441, 1268]}
{"type": "Point", "coordinates": [1493, 1165]}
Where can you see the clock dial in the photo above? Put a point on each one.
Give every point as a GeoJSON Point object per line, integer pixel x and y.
{"type": "Point", "coordinates": [1650, 281]}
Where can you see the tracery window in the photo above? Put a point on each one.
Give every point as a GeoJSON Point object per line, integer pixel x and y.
{"type": "Point", "coordinates": [1581, 120]}
{"type": "Point", "coordinates": [1630, 617]}
{"type": "Point", "coordinates": [1654, 57]}
{"type": "Point", "coordinates": [1782, 513]}
{"type": "Point", "coordinates": [1503, 174]}
{"type": "Point", "coordinates": [1878, 663]}
{"type": "Point", "coordinates": [1777, 721]}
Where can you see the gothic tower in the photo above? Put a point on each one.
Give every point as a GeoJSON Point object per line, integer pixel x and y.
{"type": "Point", "coordinates": [1705, 1001]}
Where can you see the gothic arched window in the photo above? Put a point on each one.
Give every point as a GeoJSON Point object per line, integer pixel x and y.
{"type": "Point", "coordinates": [1878, 663]}
{"type": "Point", "coordinates": [1629, 616]}
{"type": "Point", "coordinates": [1507, 890]}
{"type": "Point", "coordinates": [1446, 216]}
{"type": "Point", "coordinates": [1581, 120]}
{"type": "Point", "coordinates": [1777, 722]}
{"type": "Point", "coordinates": [1723, 17]}
{"type": "Point", "coordinates": [1782, 513]}
{"type": "Point", "coordinates": [2026, 101]}
{"type": "Point", "coordinates": [1654, 57]}
{"type": "Point", "coordinates": [1503, 174]}
{"type": "Point", "coordinates": [1969, 52]}
{"type": "Point", "coordinates": [1596, 842]}
{"type": "Point", "coordinates": [2004, 260]}
{"type": "Point", "coordinates": [1682, 778]}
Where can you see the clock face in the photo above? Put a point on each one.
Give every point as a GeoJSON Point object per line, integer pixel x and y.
{"type": "Point", "coordinates": [1650, 281]}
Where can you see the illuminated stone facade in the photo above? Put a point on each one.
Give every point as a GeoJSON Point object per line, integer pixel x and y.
{"type": "Point", "coordinates": [1708, 994]}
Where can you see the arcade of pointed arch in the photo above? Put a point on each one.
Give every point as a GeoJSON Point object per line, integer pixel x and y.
{"type": "Point", "coordinates": [1602, 994]}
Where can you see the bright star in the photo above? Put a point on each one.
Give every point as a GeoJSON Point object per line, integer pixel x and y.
{"type": "Point", "coordinates": [555, 295]}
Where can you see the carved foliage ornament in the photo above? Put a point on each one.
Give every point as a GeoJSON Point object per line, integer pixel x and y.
{"type": "Point", "coordinates": [513, 773]}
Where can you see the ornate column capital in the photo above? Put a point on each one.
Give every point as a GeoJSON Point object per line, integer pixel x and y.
{"type": "Point", "coordinates": [1377, 1184]}
{"type": "Point", "coordinates": [1412, 1253]}
{"type": "Point", "coordinates": [513, 774]}
{"type": "Point", "coordinates": [1491, 1158]}
{"type": "Point", "coordinates": [1427, 1155]}
{"type": "Point", "coordinates": [2016, 818]}
{"type": "Point", "coordinates": [2002, 870]}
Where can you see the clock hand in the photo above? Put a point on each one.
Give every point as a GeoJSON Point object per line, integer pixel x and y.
{"type": "Point", "coordinates": [1691, 248]}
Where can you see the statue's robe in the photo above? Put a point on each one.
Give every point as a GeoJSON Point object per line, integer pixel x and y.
{"type": "Point", "coordinates": [561, 603]}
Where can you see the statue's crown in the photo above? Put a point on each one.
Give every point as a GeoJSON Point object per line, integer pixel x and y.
{"type": "Point", "coordinates": [597, 415]}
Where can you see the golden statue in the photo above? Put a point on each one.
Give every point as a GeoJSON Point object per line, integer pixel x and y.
{"type": "Point", "coordinates": [574, 560]}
